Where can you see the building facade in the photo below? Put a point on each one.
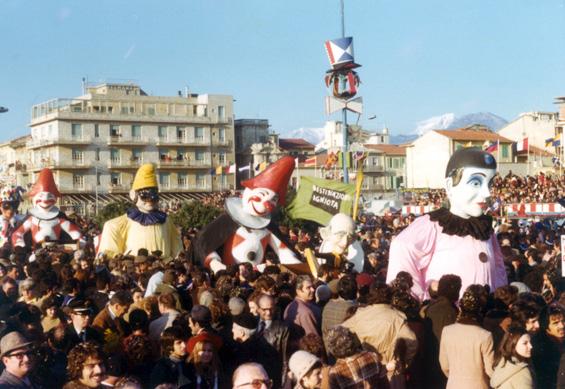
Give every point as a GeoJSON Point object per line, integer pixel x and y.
{"type": "Point", "coordinates": [536, 126]}
{"type": "Point", "coordinates": [96, 142]}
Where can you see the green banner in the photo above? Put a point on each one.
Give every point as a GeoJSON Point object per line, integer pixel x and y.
{"type": "Point", "coordinates": [318, 200]}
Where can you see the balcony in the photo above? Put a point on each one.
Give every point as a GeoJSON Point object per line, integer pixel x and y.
{"type": "Point", "coordinates": [124, 164]}
{"type": "Point", "coordinates": [373, 187]}
{"type": "Point", "coordinates": [118, 188]}
{"type": "Point", "coordinates": [224, 120]}
{"type": "Point", "coordinates": [124, 141]}
{"type": "Point", "coordinates": [175, 141]}
{"type": "Point", "coordinates": [222, 142]}
{"type": "Point", "coordinates": [63, 141]}
{"type": "Point", "coordinates": [61, 165]}
{"type": "Point", "coordinates": [183, 164]}
{"type": "Point", "coordinates": [373, 168]}
{"type": "Point", "coordinates": [76, 188]}
{"type": "Point", "coordinates": [223, 187]}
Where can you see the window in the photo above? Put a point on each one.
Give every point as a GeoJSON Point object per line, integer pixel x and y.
{"type": "Point", "coordinates": [504, 152]}
{"type": "Point", "coordinates": [222, 158]}
{"type": "Point", "coordinates": [115, 179]}
{"type": "Point", "coordinates": [136, 155]}
{"type": "Point", "coordinates": [76, 131]}
{"type": "Point", "coordinates": [77, 156]}
{"type": "Point", "coordinates": [181, 133]}
{"type": "Point", "coordinates": [199, 155]}
{"type": "Point", "coordinates": [114, 155]}
{"type": "Point", "coordinates": [395, 163]}
{"type": "Point", "coordinates": [114, 130]}
{"type": "Point", "coordinates": [222, 135]}
{"type": "Point", "coordinates": [151, 109]}
{"type": "Point", "coordinates": [96, 131]}
{"type": "Point", "coordinates": [162, 132]}
{"type": "Point", "coordinates": [200, 180]}
{"type": "Point", "coordinates": [97, 155]}
{"type": "Point", "coordinates": [164, 180]}
{"type": "Point", "coordinates": [164, 155]}
{"type": "Point", "coordinates": [78, 181]}
{"type": "Point", "coordinates": [221, 112]}
{"type": "Point", "coordinates": [136, 132]}
{"type": "Point", "coordinates": [199, 134]}
{"type": "Point", "coordinates": [182, 180]}
{"type": "Point", "coordinates": [182, 155]}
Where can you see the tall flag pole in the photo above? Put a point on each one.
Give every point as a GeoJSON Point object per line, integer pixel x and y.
{"type": "Point", "coordinates": [343, 82]}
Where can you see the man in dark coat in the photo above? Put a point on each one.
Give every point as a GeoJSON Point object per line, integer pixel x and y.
{"type": "Point", "coordinates": [548, 346]}
{"type": "Point", "coordinates": [79, 329]}
{"type": "Point", "coordinates": [111, 317]}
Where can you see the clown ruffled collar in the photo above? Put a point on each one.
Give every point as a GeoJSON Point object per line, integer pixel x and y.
{"type": "Point", "coordinates": [234, 208]}
{"type": "Point", "coordinates": [478, 227]}
{"type": "Point", "coordinates": [44, 214]}
{"type": "Point", "coordinates": [147, 219]}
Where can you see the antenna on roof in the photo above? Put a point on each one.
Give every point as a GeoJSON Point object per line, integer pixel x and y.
{"type": "Point", "coordinates": [84, 82]}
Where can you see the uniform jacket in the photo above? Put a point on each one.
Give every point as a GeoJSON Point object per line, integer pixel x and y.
{"type": "Point", "coordinates": [104, 321]}
{"type": "Point", "coordinates": [466, 356]}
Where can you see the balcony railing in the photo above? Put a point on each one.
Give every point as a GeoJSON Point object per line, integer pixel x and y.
{"type": "Point", "coordinates": [71, 140]}
{"type": "Point", "coordinates": [52, 164]}
{"type": "Point", "coordinates": [173, 163]}
{"type": "Point", "coordinates": [175, 141]}
{"type": "Point", "coordinates": [124, 164]}
{"type": "Point", "coordinates": [373, 168]}
{"type": "Point", "coordinates": [222, 142]}
{"type": "Point", "coordinates": [76, 188]}
{"type": "Point", "coordinates": [121, 140]}
{"type": "Point", "coordinates": [115, 188]}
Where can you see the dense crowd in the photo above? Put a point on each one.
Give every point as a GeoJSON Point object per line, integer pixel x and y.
{"type": "Point", "coordinates": [507, 189]}
{"type": "Point", "coordinates": [75, 320]}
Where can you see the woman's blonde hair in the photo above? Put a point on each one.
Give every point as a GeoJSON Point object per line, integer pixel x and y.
{"type": "Point", "coordinates": [194, 358]}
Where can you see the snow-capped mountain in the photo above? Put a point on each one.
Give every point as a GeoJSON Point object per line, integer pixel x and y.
{"type": "Point", "coordinates": [312, 135]}
{"type": "Point", "coordinates": [449, 121]}
{"type": "Point", "coordinates": [440, 122]}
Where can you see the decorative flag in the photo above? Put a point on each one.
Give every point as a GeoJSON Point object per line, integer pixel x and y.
{"type": "Point", "coordinates": [340, 159]}
{"type": "Point", "coordinates": [213, 171]}
{"type": "Point", "coordinates": [492, 147]}
{"type": "Point", "coordinates": [549, 142]}
{"type": "Point", "coordinates": [522, 145]}
{"type": "Point", "coordinates": [557, 140]}
{"type": "Point", "coordinates": [219, 170]}
{"type": "Point", "coordinates": [318, 200]}
{"type": "Point", "coordinates": [309, 162]}
{"type": "Point", "coordinates": [244, 168]}
{"type": "Point", "coordinates": [257, 167]}
{"type": "Point", "coordinates": [231, 169]}
{"type": "Point", "coordinates": [262, 166]}
{"type": "Point", "coordinates": [340, 53]}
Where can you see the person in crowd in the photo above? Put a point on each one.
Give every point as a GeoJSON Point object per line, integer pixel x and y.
{"type": "Point", "coordinates": [385, 330]}
{"type": "Point", "coordinates": [166, 304]}
{"type": "Point", "coordinates": [548, 346]}
{"type": "Point", "coordinates": [466, 349]}
{"type": "Point", "coordinates": [78, 329]}
{"type": "Point", "coordinates": [251, 375]}
{"type": "Point", "coordinates": [525, 315]}
{"type": "Point", "coordinates": [111, 317]}
{"type": "Point", "coordinates": [172, 368]}
{"type": "Point", "coordinates": [354, 368]}
{"type": "Point", "coordinates": [200, 323]}
{"type": "Point", "coordinates": [511, 361]}
{"type": "Point", "coordinates": [337, 310]}
{"type": "Point", "coordinates": [302, 314]}
{"type": "Point", "coordinates": [204, 366]}
{"type": "Point", "coordinates": [51, 314]}
{"type": "Point", "coordinates": [86, 367]}
{"type": "Point", "coordinates": [17, 356]}
{"type": "Point", "coordinates": [306, 370]}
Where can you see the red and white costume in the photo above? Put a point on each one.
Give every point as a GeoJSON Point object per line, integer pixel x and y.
{"type": "Point", "coordinates": [45, 221]}
{"type": "Point", "coordinates": [242, 231]}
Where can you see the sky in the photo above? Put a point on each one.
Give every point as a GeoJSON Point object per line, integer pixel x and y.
{"type": "Point", "coordinates": [419, 58]}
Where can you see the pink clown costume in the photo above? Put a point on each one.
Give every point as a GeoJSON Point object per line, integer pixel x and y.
{"type": "Point", "coordinates": [457, 241]}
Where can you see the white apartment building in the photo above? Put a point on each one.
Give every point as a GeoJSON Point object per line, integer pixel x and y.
{"type": "Point", "coordinates": [95, 143]}
{"type": "Point", "coordinates": [536, 126]}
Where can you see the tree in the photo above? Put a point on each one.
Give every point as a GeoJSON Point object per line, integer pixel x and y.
{"type": "Point", "coordinates": [110, 211]}
{"type": "Point", "coordinates": [194, 214]}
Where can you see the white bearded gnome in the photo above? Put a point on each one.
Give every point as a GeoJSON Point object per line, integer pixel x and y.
{"type": "Point", "coordinates": [143, 226]}
{"type": "Point", "coordinates": [45, 222]}
{"type": "Point", "coordinates": [242, 232]}
{"type": "Point", "coordinates": [340, 243]}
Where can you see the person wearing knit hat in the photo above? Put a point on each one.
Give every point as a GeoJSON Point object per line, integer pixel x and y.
{"type": "Point", "coordinates": [45, 222]}
{"type": "Point", "coordinates": [459, 240]}
{"type": "Point", "coordinates": [143, 226]}
{"type": "Point", "coordinates": [240, 234]}
{"type": "Point", "coordinates": [306, 370]}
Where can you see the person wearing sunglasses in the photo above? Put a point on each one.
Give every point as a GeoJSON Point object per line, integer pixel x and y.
{"type": "Point", "coordinates": [17, 357]}
{"type": "Point", "coordinates": [143, 226]}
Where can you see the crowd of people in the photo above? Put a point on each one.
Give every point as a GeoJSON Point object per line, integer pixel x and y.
{"type": "Point", "coordinates": [72, 319]}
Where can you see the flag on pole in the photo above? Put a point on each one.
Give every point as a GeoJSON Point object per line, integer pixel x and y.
{"type": "Point", "coordinates": [309, 162]}
{"type": "Point", "coordinates": [557, 140]}
{"type": "Point", "coordinates": [522, 145]}
{"type": "Point", "coordinates": [231, 169]}
{"type": "Point", "coordinates": [262, 166]}
{"type": "Point", "coordinates": [549, 142]}
{"type": "Point", "coordinates": [219, 170]}
{"type": "Point", "coordinates": [492, 147]}
{"type": "Point", "coordinates": [244, 168]}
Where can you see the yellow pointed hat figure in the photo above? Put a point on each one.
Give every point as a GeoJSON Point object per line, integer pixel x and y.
{"type": "Point", "coordinates": [145, 177]}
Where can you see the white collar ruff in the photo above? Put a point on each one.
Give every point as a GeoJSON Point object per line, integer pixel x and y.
{"type": "Point", "coordinates": [234, 208]}
{"type": "Point", "coordinates": [42, 214]}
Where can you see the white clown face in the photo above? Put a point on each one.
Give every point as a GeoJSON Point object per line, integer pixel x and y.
{"type": "Point", "coordinates": [44, 200]}
{"type": "Point", "coordinates": [259, 201]}
{"type": "Point", "coordinates": [469, 198]}
{"type": "Point", "coordinates": [339, 233]}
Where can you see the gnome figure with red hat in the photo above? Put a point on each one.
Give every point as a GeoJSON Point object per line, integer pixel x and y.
{"type": "Point", "coordinates": [241, 232]}
{"type": "Point", "coordinates": [45, 222]}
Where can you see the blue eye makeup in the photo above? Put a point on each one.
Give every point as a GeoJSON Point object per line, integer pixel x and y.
{"type": "Point", "coordinates": [475, 181]}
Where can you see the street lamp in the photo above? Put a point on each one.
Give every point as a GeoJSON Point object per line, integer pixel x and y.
{"type": "Point", "coordinates": [3, 109]}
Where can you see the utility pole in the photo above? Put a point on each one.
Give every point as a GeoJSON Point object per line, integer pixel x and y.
{"type": "Point", "coordinates": [344, 148]}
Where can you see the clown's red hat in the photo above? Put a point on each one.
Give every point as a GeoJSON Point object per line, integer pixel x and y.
{"type": "Point", "coordinates": [275, 178]}
{"type": "Point", "coordinates": [45, 183]}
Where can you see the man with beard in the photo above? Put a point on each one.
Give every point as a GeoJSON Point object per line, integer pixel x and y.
{"type": "Point", "coordinates": [85, 367]}
{"type": "Point", "coordinates": [17, 357]}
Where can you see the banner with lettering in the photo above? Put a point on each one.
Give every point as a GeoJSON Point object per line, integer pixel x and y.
{"type": "Point", "coordinates": [318, 200]}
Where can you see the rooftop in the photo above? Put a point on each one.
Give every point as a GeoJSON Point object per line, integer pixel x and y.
{"type": "Point", "coordinates": [388, 149]}
{"type": "Point", "coordinates": [474, 134]}
{"type": "Point", "coordinates": [295, 143]}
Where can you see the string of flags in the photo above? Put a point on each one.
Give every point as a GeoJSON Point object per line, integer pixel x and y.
{"type": "Point", "coordinates": [219, 170]}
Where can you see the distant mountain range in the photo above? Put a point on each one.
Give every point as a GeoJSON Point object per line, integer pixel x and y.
{"type": "Point", "coordinates": [447, 121]}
